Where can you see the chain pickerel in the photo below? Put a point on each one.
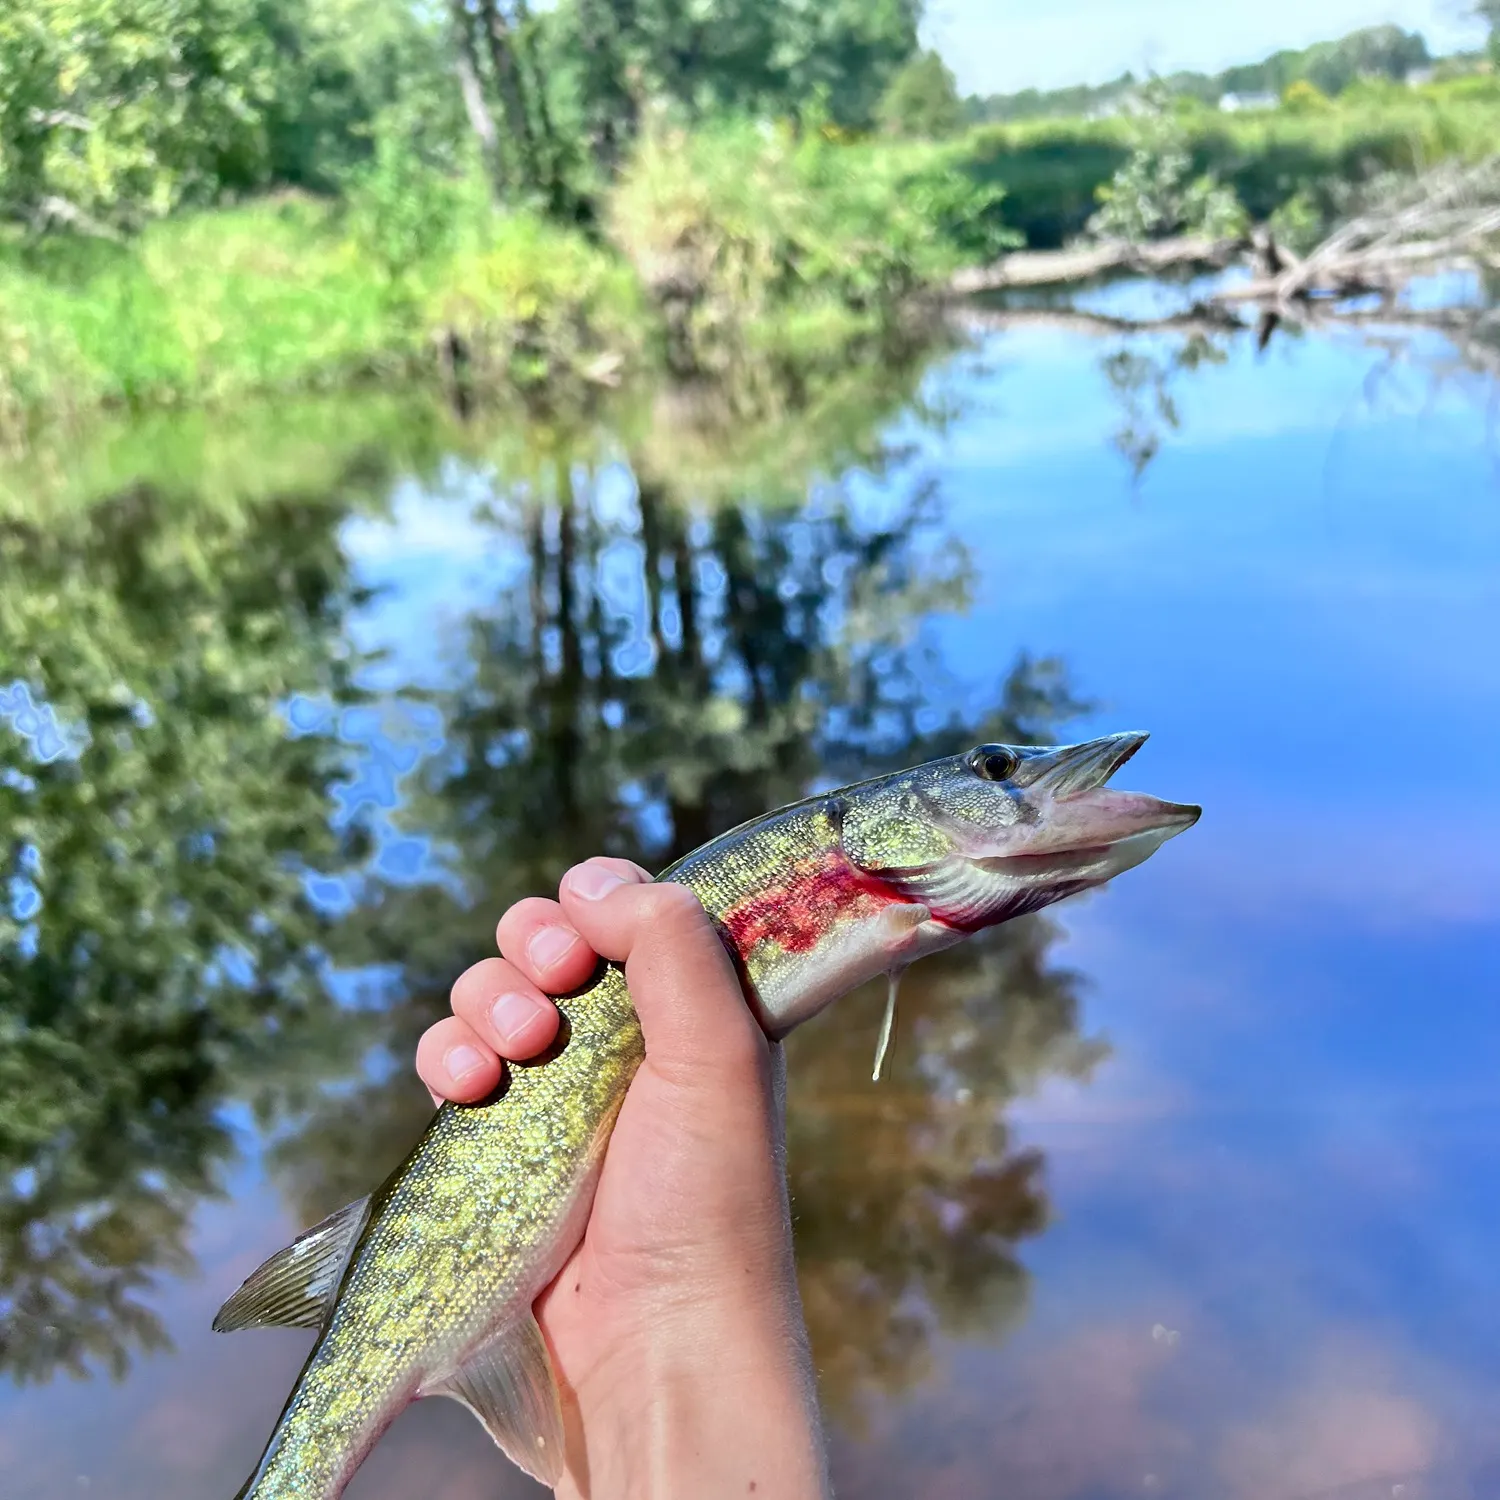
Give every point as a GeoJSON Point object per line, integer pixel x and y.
{"type": "Point", "coordinates": [426, 1287]}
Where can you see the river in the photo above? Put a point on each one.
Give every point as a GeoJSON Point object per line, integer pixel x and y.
{"type": "Point", "coordinates": [1185, 1189]}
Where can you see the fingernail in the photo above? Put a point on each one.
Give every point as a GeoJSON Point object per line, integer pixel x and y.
{"type": "Point", "coordinates": [549, 946]}
{"type": "Point", "coordinates": [462, 1062]}
{"type": "Point", "coordinates": [510, 1015]}
{"type": "Point", "coordinates": [593, 882]}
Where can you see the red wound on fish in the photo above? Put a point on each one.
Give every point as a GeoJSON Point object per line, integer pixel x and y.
{"type": "Point", "coordinates": [794, 914]}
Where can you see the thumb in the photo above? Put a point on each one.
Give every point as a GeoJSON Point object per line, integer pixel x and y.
{"type": "Point", "coordinates": [683, 983]}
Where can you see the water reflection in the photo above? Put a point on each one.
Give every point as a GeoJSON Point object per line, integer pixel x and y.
{"type": "Point", "coordinates": [909, 1197]}
{"type": "Point", "coordinates": [158, 956]}
{"type": "Point", "coordinates": [1143, 382]}
{"type": "Point", "coordinates": [1284, 1164]}
{"type": "Point", "coordinates": [204, 932]}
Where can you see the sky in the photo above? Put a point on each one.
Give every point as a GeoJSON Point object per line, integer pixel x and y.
{"type": "Point", "coordinates": [1000, 46]}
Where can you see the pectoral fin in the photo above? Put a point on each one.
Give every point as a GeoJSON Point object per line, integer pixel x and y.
{"type": "Point", "coordinates": [508, 1384]}
{"type": "Point", "coordinates": [293, 1289]}
{"type": "Point", "coordinates": [888, 1021]}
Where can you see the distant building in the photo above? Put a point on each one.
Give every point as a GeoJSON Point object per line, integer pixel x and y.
{"type": "Point", "coordinates": [1232, 103]}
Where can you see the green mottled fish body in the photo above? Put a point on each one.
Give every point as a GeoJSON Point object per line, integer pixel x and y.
{"type": "Point", "coordinates": [427, 1287]}
{"type": "Point", "coordinates": [453, 1250]}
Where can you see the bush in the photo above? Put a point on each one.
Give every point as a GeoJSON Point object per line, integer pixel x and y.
{"type": "Point", "coordinates": [531, 301]}
{"type": "Point", "coordinates": [1051, 170]}
{"type": "Point", "coordinates": [290, 294]}
{"type": "Point", "coordinates": [736, 226]}
{"type": "Point", "coordinates": [1155, 192]}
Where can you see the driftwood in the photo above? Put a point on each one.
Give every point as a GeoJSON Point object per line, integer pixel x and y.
{"type": "Point", "coordinates": [1029, 268]}
{"type": "Point", "coordinates": [1448, 216]}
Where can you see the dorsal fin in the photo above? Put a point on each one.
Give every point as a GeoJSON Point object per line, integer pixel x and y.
{"type": "Point", "coordinates": [293, 1289]}
{"type": "Point", "coordinates": [509, 1385]}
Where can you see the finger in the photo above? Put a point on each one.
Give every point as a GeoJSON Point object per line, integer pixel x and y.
{"type": "Point", "coordinates": [505, 1008]}
{"type": "Point", "coordinates": [456, 1063]}
{"type": "Point", "coordinates": [538, 939]}
{"type": "Point", "coordinates": [686, 991]}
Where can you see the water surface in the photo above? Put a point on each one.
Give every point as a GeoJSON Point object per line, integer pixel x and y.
{"type": "Point", "coordinates": [1185, 1191]}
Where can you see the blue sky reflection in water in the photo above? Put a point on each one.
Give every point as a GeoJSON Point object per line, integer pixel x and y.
{"type": "Point", "coordinates": [1270, 1268]}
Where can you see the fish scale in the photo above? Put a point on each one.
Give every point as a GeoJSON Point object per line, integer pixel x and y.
{"type": "Point", "coordinates": [426, 1288]}
{"type": "Point", "coordinates": [495, 1181]}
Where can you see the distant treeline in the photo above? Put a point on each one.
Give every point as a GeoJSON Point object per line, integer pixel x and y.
{"type": "Point", "coordinates": [114, 112]}
{"type": "Point", "coordinates": [1374, 52]}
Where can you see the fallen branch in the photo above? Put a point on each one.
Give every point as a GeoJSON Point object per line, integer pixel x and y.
{"type": "Point", "coordinates": [1030, 268]}
{"type": "Point", "coordinates": [54, 210]}
{"type": "Point", "coordinates": [1448, 215]}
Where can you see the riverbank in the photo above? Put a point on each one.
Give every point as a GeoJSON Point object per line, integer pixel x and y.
{"type": "Point", "coordinates": [717, 250]}
{"type": "Point", "coordinates": [286, 294]}
{"type": "Point", "coordinates": [719, 253]}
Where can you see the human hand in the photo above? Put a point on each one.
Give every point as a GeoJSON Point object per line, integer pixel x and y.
{"type": "Point", "coordinates": [675, 1327]}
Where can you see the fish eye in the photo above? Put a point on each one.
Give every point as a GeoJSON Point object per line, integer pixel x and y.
{"type": "Point", "coordinates": [994, 762]}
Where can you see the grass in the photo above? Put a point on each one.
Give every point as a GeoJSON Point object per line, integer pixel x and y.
{"type": "Point", "coordinates": [285, 295]}
{"type": "Point", "coordinates": [1052, 169]}
{"type": "Point", "coordinates": [791, 250]}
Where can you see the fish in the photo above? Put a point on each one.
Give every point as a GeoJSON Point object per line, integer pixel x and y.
{"type": "Point", "coordinates": [425, 1288]}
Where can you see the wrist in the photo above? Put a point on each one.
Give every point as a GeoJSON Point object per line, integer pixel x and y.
{"type": "Point", "coordinates": [716, 1396]}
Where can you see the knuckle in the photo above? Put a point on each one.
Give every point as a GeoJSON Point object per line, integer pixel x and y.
{"type": "Point", "coordinates": [528, 910]}
{"type": "Point", "coordinates": [475, 978]}
{"type": "Point", "coordinates": [671, 904]}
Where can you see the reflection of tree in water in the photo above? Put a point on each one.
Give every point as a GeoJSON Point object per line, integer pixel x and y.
{"type": "Point", "coordinates": [908, 1195]}
{"type": "Point", "coordinates": [667, 666]}
{"type": "Point", "coordinates": [670, 659]}
{"type": "Point", "coordinates": [156, 945]}
{"type": "Point", "coordinates": [1143, 382]}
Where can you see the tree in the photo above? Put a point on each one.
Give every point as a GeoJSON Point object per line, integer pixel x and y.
{"type": "Point", "coordinates": [1488, 11]}
{"type": "Point", "coordinates": [116, 109]}
{"type": "Point", "coordinates": [922, 100]}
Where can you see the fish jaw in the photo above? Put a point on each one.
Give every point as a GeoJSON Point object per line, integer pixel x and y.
{"type": "Point", "coordinates": [1005, 830]}
{"type": "Point", "coordinates": [825, 895]}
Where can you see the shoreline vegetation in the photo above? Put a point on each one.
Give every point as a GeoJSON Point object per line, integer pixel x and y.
{"type": "Point", "coordinates": [549, 241]}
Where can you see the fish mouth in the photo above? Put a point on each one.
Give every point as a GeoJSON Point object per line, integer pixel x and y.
{"type": "Point", "coordinates": [1089, 825]}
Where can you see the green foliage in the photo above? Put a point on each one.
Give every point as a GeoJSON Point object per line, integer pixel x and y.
{"type": "Point", "coordinates": [1380, 51]}
{"type": "Point", "coordinates": [113, 110]}
{"type": "Point", "coordinates": [736, 226]}
{"type": "Point", "coordinates": [703, 58]}
{"type": "Point", "coordinates": [531, 301]}
{"type": "Point", "coordinates": [293, 294]}
{"type": "Point", "coordinates": [1155, 193]}
{"type": "Point", "coordinates": [1051, 170]}
{"type": "Point", "coordinates": [1304, 98]}
{"type": "Point", "coordinates": [1385, 52]}
{"type": "Point", "coordinates": [406, 210]}
{"type": "Point", "coordinates": [922, 100]}
{"type": "Point", "coordinates": [343, 68]}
